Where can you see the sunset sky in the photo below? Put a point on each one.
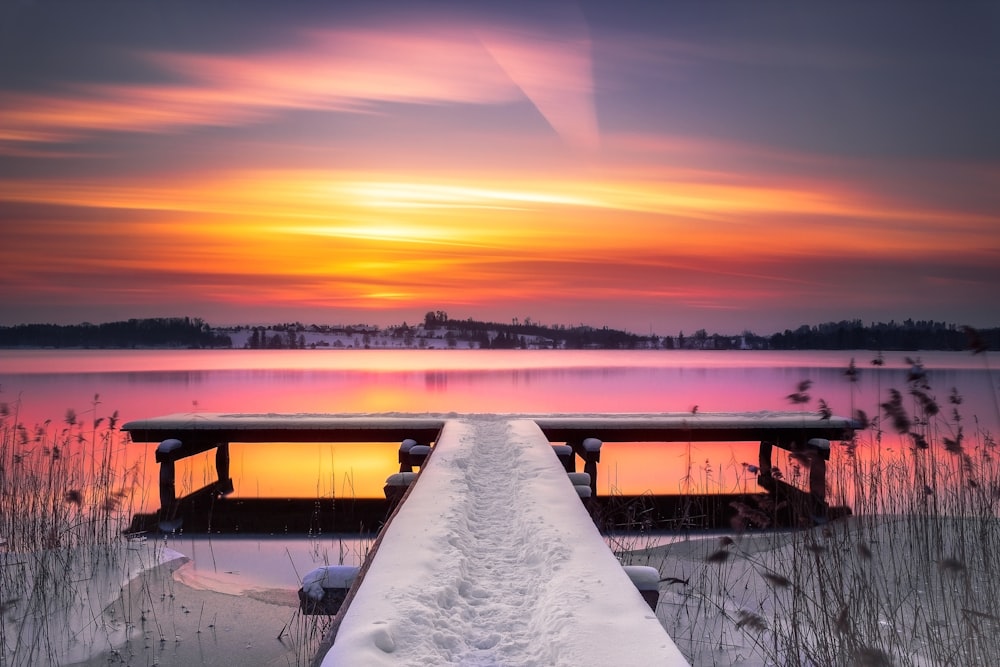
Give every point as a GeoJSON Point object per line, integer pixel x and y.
{"type": "Point", "coordinates": [653, 166]}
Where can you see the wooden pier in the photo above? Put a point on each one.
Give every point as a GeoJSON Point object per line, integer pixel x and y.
{"type": "Point", "coordinates": [491, 559]}
{"type": "Point", "coordinates": [490, 551]}
{"type": "Point", "coordinates": [580, 436]}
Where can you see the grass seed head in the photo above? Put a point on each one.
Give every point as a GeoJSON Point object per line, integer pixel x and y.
{"type": "Point", "coordinates": [719, 556]}
{"type": "Point", "coordinates": [777, 580]}
{"type": "Point", "coordinates": [751, 621]}
{"type": "Point", "coordinates": [852, 371]}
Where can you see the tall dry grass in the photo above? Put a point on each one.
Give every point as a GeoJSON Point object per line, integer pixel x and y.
{"type": "Point", "coordinates": [73, 584]}
{"type": "Point", "coordinates": [64, 499]}
{"type": "Point", "coordinates": [911, 578]}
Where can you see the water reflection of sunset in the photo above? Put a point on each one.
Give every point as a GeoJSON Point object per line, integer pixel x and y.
{"type": "Point", "coordinates": [636, 468]}
{"type": "Point", "coordinates": [359, 470]}
{"type": "Point", "coordinates": [297, 470]}
{"type": "Point", "coordinates": [139, 384]}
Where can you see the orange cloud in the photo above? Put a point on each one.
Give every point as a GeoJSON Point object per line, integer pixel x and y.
{"type": "Point", "coordinates": [347, 70]}
{"type": "Point", "coordinates": [534, 214]}
{"type": "Point", "coordinates": [318, 238]}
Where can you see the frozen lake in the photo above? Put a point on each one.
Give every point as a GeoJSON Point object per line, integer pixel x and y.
{"type": "Point", "coordinates": [42, 385]}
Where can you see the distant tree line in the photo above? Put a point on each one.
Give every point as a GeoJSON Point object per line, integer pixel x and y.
{"type": "Point", "coordinates": [906, 335]}
{"type": "Point", "coordinates": [288, 337]}
{"type": "Point", "coordinates": [175, 332]}
{"type": "Point", "coordinates": [499, 335]}
{"type": "Point", "coordinates": [518, 334]}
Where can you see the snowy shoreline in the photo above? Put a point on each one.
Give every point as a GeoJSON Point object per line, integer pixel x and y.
{"type": "Point", "coordinates": [701, 599]}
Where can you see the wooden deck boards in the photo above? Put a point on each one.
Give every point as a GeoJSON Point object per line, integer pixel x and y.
{"type": "Point", "coordinates": [782, 428]}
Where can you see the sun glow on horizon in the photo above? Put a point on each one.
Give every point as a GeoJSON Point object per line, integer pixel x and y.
{"type": "Point", "coordinates": [329, 238]}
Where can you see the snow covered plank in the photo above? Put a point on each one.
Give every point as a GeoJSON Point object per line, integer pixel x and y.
{"type": "Point", "coordinates": [285, 427]}
{"type": "Point", "coordinates": [394, 427]}
{"type": "Point", "coordinates": [789, 430]}
{"type": "Point", "coordinates": [492, 560]}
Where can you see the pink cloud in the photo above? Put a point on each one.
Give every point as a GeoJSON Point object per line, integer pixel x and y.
{"type": "Point", "coordinates": [343, 69]}
{"type": "Point", "coordinates": [333, 70]}
{"type": "Point", "coordinates": [554, 71]}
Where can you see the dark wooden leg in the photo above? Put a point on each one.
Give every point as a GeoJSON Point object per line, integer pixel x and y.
{"type": "Point", "coordinates": [764, 477]}
{"type": "Point", "coordinates": [168, 491]}
{"type": "Point", "coordinates": [405, 463]}
{"type": "Point", "coordinates": [222, 461]}
{"type": "Point", "coordinates": [588, 449]}
{"type": "Point", "coordinates": [817, 482]}
{"type": "Point", "coordinates": [225, 484]}
{"type": "Point", "coordinates": [592, 449]}
{"type": "Point", "coordinates": [566, 456]}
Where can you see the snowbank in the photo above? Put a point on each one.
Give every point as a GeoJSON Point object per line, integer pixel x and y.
{"type": "Point", "coordinates": [493, 560]}
{"type": "Point", "coordinates": [65, 621]}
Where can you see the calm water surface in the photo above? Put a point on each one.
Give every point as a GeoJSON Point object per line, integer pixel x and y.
{"type": "Point", "coordinates": [42, 385]}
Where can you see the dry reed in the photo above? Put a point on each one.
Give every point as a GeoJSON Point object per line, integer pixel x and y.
{"type": "Point", "coordinates": [65, 497]}
{"type": "Point", "coordinates": [909, 579]}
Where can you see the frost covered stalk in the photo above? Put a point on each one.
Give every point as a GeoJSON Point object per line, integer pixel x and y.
{"type": "Point", "coordinates": [64, 500]}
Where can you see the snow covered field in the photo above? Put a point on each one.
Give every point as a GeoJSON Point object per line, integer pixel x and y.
{"type": "Point", "coordinates": [83, 605]}
{"type": "Point", "coordinates": [493, 560]}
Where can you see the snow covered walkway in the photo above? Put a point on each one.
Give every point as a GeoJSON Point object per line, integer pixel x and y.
{"type": "Point", "coordinates": [493, 560]}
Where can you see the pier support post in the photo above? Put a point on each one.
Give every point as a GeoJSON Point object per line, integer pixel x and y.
{"type": "Point", "coordinates": [396, 486]}
{"type": "Point", "coordinates": [419, 454]}
{"type": "Point", "coordinates": [590, 451]}
{"type": "Point", "coordinates": [647, 581]}
{"type": "Point", "coordinates": [412, 453]}
{"type": "Point", "coordinates": [819, 449]}
{"type": "Point", "coordinates": [814, 455]}
{"type": "Point", "coordinates": [165, 453]}
{"type": "Point", "coordinates": [405, 464]}
{"type": "Point", "coordinates": [325, 589]}
{"type": "Point", "coordinates": [222, 461]}
{"type": "Point", "coordinates": [764, 477]}
{"type": "Point", "coordinates": [566, 456]}
{"type": "Point", "coordinates": [817, 482]}
{"type": "Point", "coordinates": [222, 468]}
{"type": "Point", "coordinates": [168, 489]}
